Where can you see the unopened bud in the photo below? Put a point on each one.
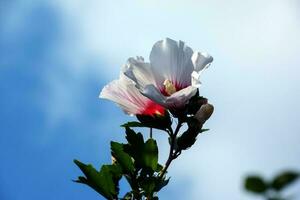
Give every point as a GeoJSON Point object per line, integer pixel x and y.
{"type": "Point", "coordinates": [204, 113]}
{"type": "Point", "coordinates": [202, 101]}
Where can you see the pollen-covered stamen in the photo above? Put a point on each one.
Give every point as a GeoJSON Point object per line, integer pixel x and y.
{"type": "Point", "coordinates": [169, 87]}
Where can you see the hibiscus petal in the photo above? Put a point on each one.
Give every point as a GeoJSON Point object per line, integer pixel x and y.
{"type": "Point", "coordinates": [201, 61]}
{"type": "Point", "coordinates": [154, 94]}
{"type": "Point", "coordinates": [139, 71]}
{"type": "Point", "coordinates": [172, 60]}
{"type": "Point", "coordinates": [180, 99]}
{"type": "Point", "coordinates": [177, 100]}
{"type": "Point", "coordinates": [126, 95]}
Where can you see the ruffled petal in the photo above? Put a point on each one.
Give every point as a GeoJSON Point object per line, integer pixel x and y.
{"type": "Point", "coordinates": [139, 71]}
{"type": "Point", "coordinates": [201, 61]}
{"type": "Point", "coordinates": [173, 61]}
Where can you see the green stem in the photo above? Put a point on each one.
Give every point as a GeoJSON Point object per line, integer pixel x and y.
{"type": "Point", "coordinates": [172, 154]}
{"type": "Point", "coordinates": [150, 133]}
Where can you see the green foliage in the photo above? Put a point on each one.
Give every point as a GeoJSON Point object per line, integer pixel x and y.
{"type": "Point", "coordinates": [255, 184]}
{"type": "Point", "coordinates": [123, 159]}
{"type": "Point", "coordinates": [104, 182]}
{"type": "Point", "coordinates": [136, 160]}
{"type": "Point", "coordinates": [271, 190]}
{"type": "Point", "coordinates": [284, 179]}
{"type": "Point", "coordinates": [150, 154]}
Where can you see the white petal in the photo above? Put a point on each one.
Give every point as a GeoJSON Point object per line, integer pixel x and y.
{"type": "Point", "coordinates": [177, 100]}
{"type": "Point", "coordinates": [196, 79]}
{"type": "Point", "coordinates": [201, 61]}
{"type": "Point", "coordinates": [181, 98]}
{"type": "Point", "coordinates": [125, 94]}
{"type": "Point", "coordinates": [139, 71]}
{"type": "Point", "coordinates": [154, 94]}
{"type": "Point", "coordinates": [172, 60]}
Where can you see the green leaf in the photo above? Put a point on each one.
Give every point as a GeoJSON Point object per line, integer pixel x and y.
{"type": "Point", "coordinates": [104, 182]}
{"type": "Point", "coordinates": [133, 124]}
{"type": "Point", "coordinates": [255, 184]}
{"type": "Point", "coordinates": [150, 154]}
{"type": "Point", "coordinates": [115, 172]}
{"type": "Point", "coordinates": [134, 139]}
{"type": "Point", "coordinates": [145, 154]}
{"type": "Point", "coordinates": [122, 158]}
{"type": "Point", "coordinates": [135, 146]}
{"type": "Point", "coordinates": [284, 179]}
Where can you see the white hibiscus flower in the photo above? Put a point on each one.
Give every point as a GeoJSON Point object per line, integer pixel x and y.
{"type": "Point", "coordinates": [172, 76]}
{"type": "Point", "coordinates": [126, 95]}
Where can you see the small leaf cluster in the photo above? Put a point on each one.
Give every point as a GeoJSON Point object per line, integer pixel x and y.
{"type": "Point", "coordinates": [271, 190]}
{"type": "Point", "coordinates": [136, 161]}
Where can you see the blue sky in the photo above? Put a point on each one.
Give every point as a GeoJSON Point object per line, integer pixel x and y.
{"type": "Point", "coordinates": [55, 56]}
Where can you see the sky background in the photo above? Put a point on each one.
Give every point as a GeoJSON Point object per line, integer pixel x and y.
{"type": "Point", "coordinates": [55, 57]}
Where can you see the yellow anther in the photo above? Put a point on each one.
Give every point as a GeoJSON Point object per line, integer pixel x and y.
{"type": "Point", "coordinates": [169, 87]}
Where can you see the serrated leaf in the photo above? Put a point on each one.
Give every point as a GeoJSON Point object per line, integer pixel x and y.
{"type": "Point", "coordinates": [111, 175]}
{"type": "Point", "coordinates": [135, 146]}
{"type": "Point", "coordinates": [255, 184]}
{"type": "Point", "coordinates": [284, 179]}
{"type": "Point", "coordinates": [134, 139]}
{"type": "Point", "coordinates": [103, 182]}
{"type": "Point", "coordinates": [122, 158]}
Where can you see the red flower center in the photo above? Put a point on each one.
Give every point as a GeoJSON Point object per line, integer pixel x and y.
{"type": "Point", "coordinates": [153, 109]}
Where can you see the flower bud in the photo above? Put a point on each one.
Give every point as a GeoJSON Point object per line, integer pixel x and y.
{"type": "Point", "coordinates": [204, 113]}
